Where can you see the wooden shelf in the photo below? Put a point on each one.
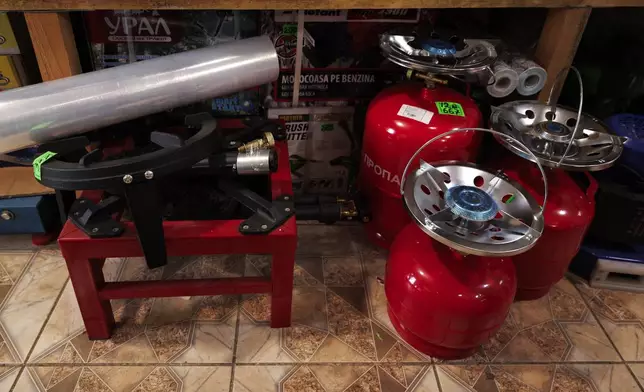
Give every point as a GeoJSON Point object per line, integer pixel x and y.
{"type": "Point", "coordinates": [59, 5]}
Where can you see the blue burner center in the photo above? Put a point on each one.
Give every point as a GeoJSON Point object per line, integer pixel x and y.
{"type": "Point", "coordinates": [438, 47]}
{"type": "Point", "coordinates": [471, 203]}
{"type": "Point", "coordinates": [555, 127]}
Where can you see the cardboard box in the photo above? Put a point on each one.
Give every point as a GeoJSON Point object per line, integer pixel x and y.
{"type": "Point", "coordinates": [320, 145]}
{"type": "Point", "coordinates": [10, 72]}
{"type": "Point", "coordinates": [8, 43]}
{"type": "Point", "coordinates": [341, 61]}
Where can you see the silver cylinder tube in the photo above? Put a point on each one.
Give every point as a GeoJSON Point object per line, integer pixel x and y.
{"type": "Point", "coordinates": [70, 106]}
{"type": "Point", "coordinates": [253, 162]}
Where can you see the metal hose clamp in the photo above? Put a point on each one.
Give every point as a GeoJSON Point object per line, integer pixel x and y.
{"type": "Point", "coordinates": [579, 111]}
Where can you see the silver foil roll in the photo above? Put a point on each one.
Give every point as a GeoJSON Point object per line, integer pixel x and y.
{"type": "Point", "coordinates": [70, 106]}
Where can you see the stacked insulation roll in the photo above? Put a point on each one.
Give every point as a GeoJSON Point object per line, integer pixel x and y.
{"type": "Point", "coordinates": [520, 74]}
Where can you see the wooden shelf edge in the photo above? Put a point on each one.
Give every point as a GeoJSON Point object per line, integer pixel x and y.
{"type": "Point", "coordinates": [60, 5]}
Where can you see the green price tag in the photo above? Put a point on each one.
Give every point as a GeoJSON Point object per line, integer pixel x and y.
{"type": "Point", "coordinates": [39, 161]}
{"type": "Point", "coordinates": [451, 108]}
{"type": "Point", "coordinates": [289, 29]}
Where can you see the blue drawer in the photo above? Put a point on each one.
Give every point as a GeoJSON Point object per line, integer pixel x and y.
{"type": "Point", "coordinates": [28, 215]}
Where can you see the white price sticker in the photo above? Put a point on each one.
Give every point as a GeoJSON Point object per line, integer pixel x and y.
{"type": "Point", "coordinates": [415, 113]}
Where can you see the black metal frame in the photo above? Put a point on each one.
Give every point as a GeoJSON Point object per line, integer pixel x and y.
{"type": "Point", "coordinates": [126, 181]}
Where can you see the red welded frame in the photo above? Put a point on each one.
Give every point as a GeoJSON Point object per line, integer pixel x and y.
{"type": "Point", "coordinates": [85, 258]}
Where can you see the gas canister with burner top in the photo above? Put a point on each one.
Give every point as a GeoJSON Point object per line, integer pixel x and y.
{"type": "Point", "coordinates": [563, 140]}
{"type": "Point", "coordinates": [404, 116]}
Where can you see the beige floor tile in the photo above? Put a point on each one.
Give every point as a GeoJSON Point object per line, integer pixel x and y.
{"type": "Point", "coordinates": [558, 327]}
{"type": "Point", "coordinates": [29, 300]}
{"type": "Point", "coordinates": [66, 320]}
{"type": "Point", "coordinates": [621, 314]}
{"type": "Point", "coordinates": [310, 378]}
{"type": "Point", "coordinates": [125, 379]}
{"type": "Point", "coordinates": [541, 378]}
{"type": "Point", "coordinates": [638, 371]}
{"type": "Point", "coordinates": [330, 324]}
{"type": "Point", "coordinates": [18, 242]}
{"type": "Point", "coordinates": [314, 240]}
{"type": "Point", "coordinates": [258, 343]}
{"type": "Point", "coordinates": [8, 376]}
{"type": "Point", "coordinates": [342, 271]}
{"type": "Point", "coordinates": [180, 330]}
{"type": "Point", "coordinates": [426, 382]}
{"type": "Point", "coordinates": [259, 378]}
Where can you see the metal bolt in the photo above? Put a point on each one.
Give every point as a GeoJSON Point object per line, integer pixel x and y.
{"type": "Point", "coordinates": [82, 201]}
{"type": "Point", "coordinates": [148, 175]}
{"type": "Point", "coordinates": [6, 215]}
{"type": "Point", "coordinates": [287, 209]}
{"type": "Point", "coordinates": [287, 198]}
{"type": "Point", "coordinates": [264, 227]}
{"type": "Point", "coordinates": [245, 227]}
{"type": "Point", "coordinates": [127, 179]}
{"type": "Point", "coordinates": [76, 213]}
{"type": "Point", "coordinates": [95, 230]}
{"type": "Point", "coordinates": [116, 229]}
{"type": "Point", "coordinates": [232, 142]}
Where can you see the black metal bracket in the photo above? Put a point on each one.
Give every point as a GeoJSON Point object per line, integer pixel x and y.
{"type": "Point", "coordinates": [146, 212]}
{"type": "Point", "coordinates": [95, 220]}
{"type": "Point", "coordinates": [268, 215]}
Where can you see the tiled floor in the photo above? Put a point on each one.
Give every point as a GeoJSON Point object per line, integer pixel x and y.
{"type": "Point", "coordinates": [575, 340]}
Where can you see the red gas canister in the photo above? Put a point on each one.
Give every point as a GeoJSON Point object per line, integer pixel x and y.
{"type": "Point", "coordinates": [449, 279]}
{"type": "Point", "coordinates": [403, 117]}
{"type": "Point", "coordinates": [570, 210]}
{"type": "Point", "coordinates": [399, 120]}
{"type": "Point", "coordinates": [561, 139]}
{"type": "Point", "coordinates": [442, 302]}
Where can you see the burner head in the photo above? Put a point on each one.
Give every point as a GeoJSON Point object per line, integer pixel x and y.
{"type": "Point", "coordinates": [440, 48]}
{"type": "Point", "coordinates": [438, 56]}
{"type": "Point", "coordinates": [471, 203]}
{"type": "Point", "coordinates": [553, 131]}
{"type": "Point", "coordinates": [547, 131]}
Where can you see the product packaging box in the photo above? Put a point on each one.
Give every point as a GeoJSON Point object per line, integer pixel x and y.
{"type": "Point", "coordinates": [341, 58]}
{"type": "Point", "coordinates": [122, 37]}
{"type": "Point", "coordinates": [320, 145]}
{"type": "Point", "coordinates": [11, 75]}
{"type": "Point", "coordinates": [8, 43]}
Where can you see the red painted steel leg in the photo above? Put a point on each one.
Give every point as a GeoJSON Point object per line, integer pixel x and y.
{"type": "Point", "coordinates": [282, 292]}
{"type": "Point", "coordinates": [44, 239]}
{"type": "Point", "coordinates": [87, 277]}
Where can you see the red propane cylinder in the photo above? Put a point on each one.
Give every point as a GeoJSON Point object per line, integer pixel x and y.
{"type": "Point", "coordinates": [399, 120]}
{"type": "Point", "coordinates": [568, 214]}
{"type": "Point", "coordinates": [444, 303]}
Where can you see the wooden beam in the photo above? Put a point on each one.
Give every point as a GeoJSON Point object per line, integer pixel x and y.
{"type": "Point", "coordinates": [45, 5]}
{"type": "Point", "coordinates": [53, 41]}
{"type": "Point", "coordinates": [558, 43]}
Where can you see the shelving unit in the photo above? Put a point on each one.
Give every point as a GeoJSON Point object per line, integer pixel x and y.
{"type": "Point", "coordinates": [53, 40]}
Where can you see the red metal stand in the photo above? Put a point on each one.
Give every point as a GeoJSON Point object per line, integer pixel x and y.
{"type": "Point", "coordinates": [85, 258]}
